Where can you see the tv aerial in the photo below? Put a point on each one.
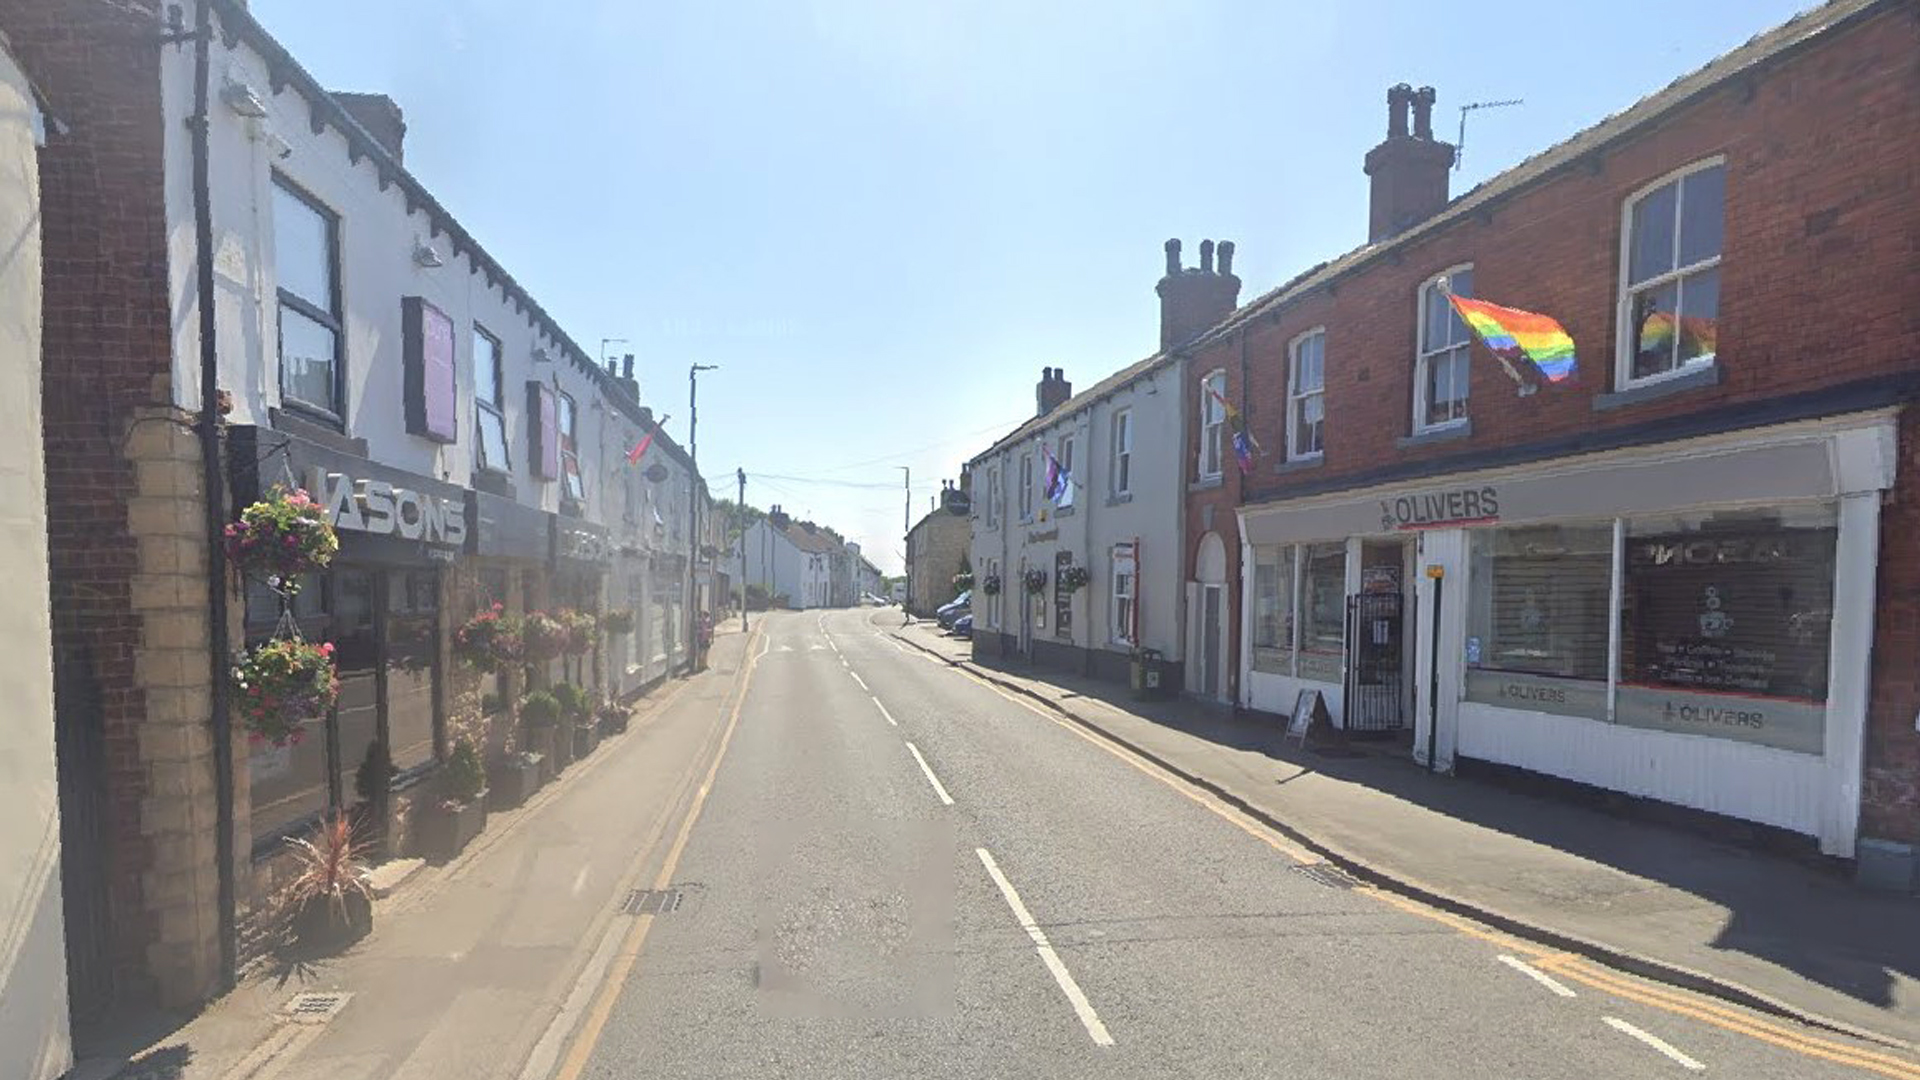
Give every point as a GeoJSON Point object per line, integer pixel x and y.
{"type": "Point", "coordinates": [1460, 144]}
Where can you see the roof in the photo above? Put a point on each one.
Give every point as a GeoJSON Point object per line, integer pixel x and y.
{"type": "Point", "coordinates": [1797, 32]}
{"type": "Point", "coordinates": [819, 541]}
{"type": "Point", "coordinates": [1104, 388]}
{"type": "Point", "coordinates": [943, 512]}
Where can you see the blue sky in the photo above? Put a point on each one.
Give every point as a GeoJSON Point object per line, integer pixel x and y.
{"type": "Point", "coordinates": [882, 218]}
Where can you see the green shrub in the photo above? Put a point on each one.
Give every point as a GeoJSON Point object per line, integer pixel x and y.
{"type": "Point", "coordinates": [463, 777]}
{"type": "Point", "coordinates": [575, 703]}
{"type": "Point", "coordinates": [540, 709]}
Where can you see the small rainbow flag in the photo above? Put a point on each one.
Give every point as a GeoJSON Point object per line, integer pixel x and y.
{"type": "Point", "coordinates": [1245, 446]}
{"type": "Point", "coordinates": [1656, 333]}
{"type": "Point", "coordinates": [1509, 330]}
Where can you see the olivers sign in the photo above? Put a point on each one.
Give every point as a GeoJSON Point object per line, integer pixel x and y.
{"type": "Point", "coordinates": [381, 509]}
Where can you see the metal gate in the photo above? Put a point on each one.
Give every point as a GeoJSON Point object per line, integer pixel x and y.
{"type": "Point", "coordinates": [1376, 672]}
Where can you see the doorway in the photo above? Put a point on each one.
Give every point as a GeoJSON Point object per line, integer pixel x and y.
{"type": "Point", "coordinates": [1211, 610]}
{"type": "Point", "coordinates": [1377, 678]}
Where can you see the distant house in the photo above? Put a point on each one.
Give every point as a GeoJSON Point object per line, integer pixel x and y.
{"type": "Point", "coordinates": [936, 548]}
{"type": "Point", "coordinates": [798, 563]}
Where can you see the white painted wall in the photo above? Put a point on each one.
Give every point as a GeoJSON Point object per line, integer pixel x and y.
{"type": "Point", "coordinates": [34, 1040]}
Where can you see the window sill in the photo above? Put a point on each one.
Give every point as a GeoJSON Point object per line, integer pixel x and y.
{"type": "Point", "coordinates": [1698, 379]}
{"type": "Point", "coordinates": [1208, 483]}
{"type": "Point", "coordinates": [314, 429]}
{"type": "Point", "coordinates": [493, 482]}
{"type": "Point", "coordinates": [1461, 429]}
{"type": "Point", "coordinates": [1300, 464]}
{"type": "Point", "coordinates": [1063, 511]}
{"type": "Point", "coordinates": [1116, 500]}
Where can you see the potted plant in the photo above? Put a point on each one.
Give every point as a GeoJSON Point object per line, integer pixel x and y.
{"type": "Point", "coordinates": [962, 581]}
{"type": "Point", "coordinates": [283, 683]}
{"type": "Point", "coordinates": [331, 905]}
{"type": "Point", "coordinates": [281, 537]}
{"type": "Point", "coordinates": [618, 621]}
{"type": "Point", "coordinates": [451, 820]}
{"type": "Point", "coordinates": [613, 718]}
{"type": "Point", "coordinates": [540, 719]}
{"type": "Point", "coordinates": [513, 779]}
{"type": "Point", "coordinates": [489, 641]}
{"type": "Point", "coordinates": [1074, 578]}
{"type": "Point", "coordinates": [580, 631]}
{"type": "Point", "coordinates": [541, 637]}
{"type": "Point", "coordinates": [1035, 581]}
{"type": "Point", "coordinates": [990, 584]}
{"type": "Point", "coordinates": [576, 709]}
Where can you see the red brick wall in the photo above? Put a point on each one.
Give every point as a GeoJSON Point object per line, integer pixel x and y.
{"type": "Point", "coordinates": [107, 353]}
{"type": "Point", "coordinates": [1223, 356]}
{"type": "Point", "coordinates": [1818, 281]}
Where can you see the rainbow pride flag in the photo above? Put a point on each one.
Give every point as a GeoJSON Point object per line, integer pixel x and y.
{"type": "Point", "coordinates": [1509, 330]}
{"type": "Point", "coordinates": [1700, 335]}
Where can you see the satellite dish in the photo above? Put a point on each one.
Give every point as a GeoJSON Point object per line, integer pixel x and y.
{"type": "Point", "coordinates": [656, 472]}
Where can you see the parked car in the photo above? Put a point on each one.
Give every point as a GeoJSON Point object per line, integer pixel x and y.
{"type": "Point", "coordinates": [963, 626]}
{"type": "Point", "coordinates": [948, 612]}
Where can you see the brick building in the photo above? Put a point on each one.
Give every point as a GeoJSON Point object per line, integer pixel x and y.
{"type": "Point", "coordinates": [363, 346]}
{"type": "Point", "coordinates": [1688, 573]}
{"type": "Point", "coordinates": [936, 548]}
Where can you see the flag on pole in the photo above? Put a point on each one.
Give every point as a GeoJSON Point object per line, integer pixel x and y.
{"type": "Point", "coordinates": [1245, 446]}
{"type": "Point", "coordinates": [1510, 332]}
{"type": "Point", "coordinates": [1059, 480]}
{"type": "Point", "coordinates": [634, 455]}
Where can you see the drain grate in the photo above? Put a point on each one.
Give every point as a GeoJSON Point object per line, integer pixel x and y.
{"type": "Point", "coordinates": [653, 901]}
{"type": "Point", "coordinates": [1325, 873]}
{"type": "Point", "coordinates": [316, 1007]}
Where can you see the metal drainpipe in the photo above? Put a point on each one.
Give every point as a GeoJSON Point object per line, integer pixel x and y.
{"type": "Point", "coordinates": [208, 429]}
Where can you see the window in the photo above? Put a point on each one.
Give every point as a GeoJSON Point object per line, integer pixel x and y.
{"type": "Point", "coordinates": [993, 497]}
{"type": "Point", "coordinates": [1670, 274]}
{"type": "Point", "coordinates": [993, 600]}
{"type": "Point", "coordinates": [1026, 487]}
{"type": "Point", "coordinates": [1323, 611]}
{"type": "Point", "coordinates": [1306, 395]}
{"type": "Point", "coordinates": [1540, 601]}
{"type": "Point", "coordinates": [413, 601]}
{"type": "Point", "coordinates": [1066, 456]}
{"type": "Point", "coordinates": [1123, 452]}
{"type": "Point", "coordinates": [490, 401]}
{"type": "Point", "coordinates": [1273, 601]}
{"type": "Point", "coordinates": [1121, 608]}
{"type": "Point", "coordinates": [306, 262]}
{"type": "Point", "coordinates": [571, 482]}
{"type": "Point", "coordinates": [1213, 423]}
{"type": "Point", "coordinates": [1440, 362]}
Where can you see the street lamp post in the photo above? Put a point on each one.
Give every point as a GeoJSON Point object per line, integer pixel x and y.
{"type": "Point", "coordinates": [693, 510]}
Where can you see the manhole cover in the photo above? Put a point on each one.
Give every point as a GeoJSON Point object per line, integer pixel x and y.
{"type": "Point", "coordinates": [653, 902]}
{"type": "Point", "coordinates": [317, 1007]}
{"type": "Point", "coordinates": [1327, 874]}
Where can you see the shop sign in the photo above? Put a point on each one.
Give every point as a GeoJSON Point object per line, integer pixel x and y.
{"type": "Point", "coordinates": [1538, 693]}
{"type": "Point", "coordinates": [581, 545]}
{"type": "Point", "coordinates": [1046, 537]}
{"type": "Point", "coordinates": [1321, 667]}
{"type": "Point", "coordinates": [1440, 509]}
{"type": "Point", "coordinates": [1783, 723]}
{"type": "Point", "coordinates": [379, 508]}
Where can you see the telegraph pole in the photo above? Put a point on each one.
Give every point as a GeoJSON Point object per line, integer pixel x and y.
{"type": "Point", "coordinates": [693, 511]}
{"type": "Point", "coordinates": [906, 512]}
{"type": "Point", "coordinates": [740, 515]}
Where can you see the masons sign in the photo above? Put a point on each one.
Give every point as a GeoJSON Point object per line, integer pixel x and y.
{"type": "Point", "coordinates": [381, 509]}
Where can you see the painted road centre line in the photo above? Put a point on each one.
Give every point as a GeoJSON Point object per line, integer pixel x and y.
{"type": "Point", "coordinates": [938, 789]}
{"type": "Point", "coordinates": [885, 713]}
{"type": "Point", "coordinates": [861, 681]}
{"type": "Point", "coordinates": [1081, 1006]}
{"type": "Point", "coordinates": [1654, 1041]}
{"type": "Point", "coordinates": [1536, 975]}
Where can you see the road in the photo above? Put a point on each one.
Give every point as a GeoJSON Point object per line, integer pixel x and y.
{"type": "Point", "coordinates": [899, 870]}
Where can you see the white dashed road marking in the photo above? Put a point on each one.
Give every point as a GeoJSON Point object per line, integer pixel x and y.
{"type": "Point", "coordinates": [1654, 1041]}
{"type": "Point", "coordinates": [1081, 1006]}
{"type": "Point", "coordinates": [885, 713]}
{"type": "Point", "coordinates": [939, 790]}
{"type": "Point", "coordinates": [1536, 975]}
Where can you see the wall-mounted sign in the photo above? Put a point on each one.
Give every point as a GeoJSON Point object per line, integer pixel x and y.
{"type": "Point", "coordinates": [1777, 722]}
{"type": "Point", "coordinates": [426, 349]}
{"type": "Point", "coordinates": [1046, 537]}
{"type": "Point", "coordinates": [1437, 509]}
{"type": "Point", "coordinates": [580, 542]}
{"type": "Point", "coordinates": [656, 472]}
{"type": "Point", "coordinates": [382, 509]}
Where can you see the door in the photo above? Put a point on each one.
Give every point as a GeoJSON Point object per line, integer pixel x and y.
{"type": "Point", "coordinates": [1211, 609]}
{"type": "Point", "coordinates": [81, 771]}
{"type": "Point", "coordinates": [1377, 671]}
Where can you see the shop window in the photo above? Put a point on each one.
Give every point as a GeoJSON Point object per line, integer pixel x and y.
{"type": "Point", "coordinates": [1539, 600]}
{"type": "Point", "coordinates": [306, 262]}
{"type": "Point", "coordinates": [1670, 274]}
{"type": "Point", "coordinates": [288, 784]}
{"type": "Point", "coordinates": [1273, 600]}
{"type": "Point", "coordinates": [1323, 612]}
{"type": "Point", "coordinates": [413, 643]}
{"type": "Point", "coordinates": [356, 658]}
{"type": "Point", "coordinates": [1730, 603]}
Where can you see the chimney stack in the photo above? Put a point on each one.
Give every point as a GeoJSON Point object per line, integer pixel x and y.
{"type": "Point", "coordinates": [1052, 391]}
{"type": "Point", "coordinates": [380, 115]}
{"type": "Point", "coordinates": [626, 376]}
{"type": "Point", "coordinates": [1409, 171]}
{"type": "Point", "coordinates": [1192, 301]}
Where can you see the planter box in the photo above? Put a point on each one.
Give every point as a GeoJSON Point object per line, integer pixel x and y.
{"type": "Point", "coordinates": [320, 926]}
{"type": "Point", "coordinates": [442, 835]}
{"type": "Point", "coordinates": [512, 782]}
{"type": "Point", "coordinates": [585, 738]}
{"type": "Point", "coordinates": [614, 723]}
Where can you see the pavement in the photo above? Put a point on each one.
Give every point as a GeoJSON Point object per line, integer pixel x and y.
{"type": "Point", "coordinates": [1688, 910]}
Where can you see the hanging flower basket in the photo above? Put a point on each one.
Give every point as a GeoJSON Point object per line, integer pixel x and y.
{"type": "Point", "coordinates": [1035, 581]}
{"type": "Point", "coordinates": [963, 580]}
{"type": "Point", "coordinates": [1074, 578]}
{"type": "Point", "coordinates": [542, 637]}
{"type": "Point", "coordinates": [581, 629]}
{"type": "Point", "coordinates": [281, 537]}
{"type": "Point", "coordinates": [283, 682]}
{"type": "Point", "coordinates": [617, 622]}
{"type": "Point", "coordinates": [990, 585]}
{"type": "Point", "coordinates": [489, 641]}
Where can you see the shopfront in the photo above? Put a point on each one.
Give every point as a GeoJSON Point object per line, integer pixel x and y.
{"type": "Point", "coordinates": [582, 556]}
{"type": "Point", "coordinates": [1689, 622]}
{"type": "Point", "coordinates": [380, 604]}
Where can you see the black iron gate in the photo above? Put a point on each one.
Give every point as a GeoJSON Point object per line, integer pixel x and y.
{"type": "Point", "coordinates": [1376, 673]}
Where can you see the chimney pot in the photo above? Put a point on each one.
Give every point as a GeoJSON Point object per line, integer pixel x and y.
{"type": "Point", "coordinates": [1206, 256]}
{"type": "Point", "coordinates": [1397, 96]}
{"type": "Point", "coordinates": [626, 366]}
{"type": "Point", "coordinates": [1423, 99]}
{"type": "Point", "coordinates": [1409, 173]}
{"type": "Point", "coordinates": [1173, 257]}
{"type": "Point", "coordinates": [1226, 256]}
{"type": "Point", "coordinates": [1191, 303]}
